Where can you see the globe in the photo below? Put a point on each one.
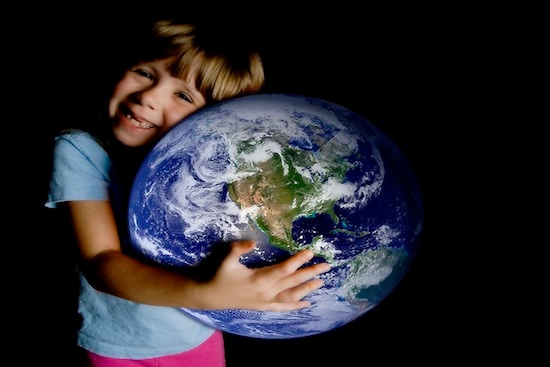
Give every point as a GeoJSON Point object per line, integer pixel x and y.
{"type": "Point", "coordinates": [292, 172]}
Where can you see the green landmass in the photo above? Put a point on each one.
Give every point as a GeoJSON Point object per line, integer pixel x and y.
{"type": "Point", "coordinates": [276, 192]}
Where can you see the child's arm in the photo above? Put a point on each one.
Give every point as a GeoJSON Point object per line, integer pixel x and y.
{"type": "Point", "coordinates": [279, 287]}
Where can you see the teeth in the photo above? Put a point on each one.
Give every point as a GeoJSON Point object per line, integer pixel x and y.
{"type": "Point", "coordinates": [143, 125]}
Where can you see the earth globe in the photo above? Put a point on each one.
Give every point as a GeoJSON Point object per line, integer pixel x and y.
{"type": "Point", "coordinates": [292, 172]}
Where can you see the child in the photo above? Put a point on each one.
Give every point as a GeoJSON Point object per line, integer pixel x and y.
{"type": "Point", "coordinates": [130, 310]}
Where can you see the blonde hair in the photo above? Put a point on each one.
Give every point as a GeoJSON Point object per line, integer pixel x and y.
{"type": "Point", "coordinates": [225, 69]}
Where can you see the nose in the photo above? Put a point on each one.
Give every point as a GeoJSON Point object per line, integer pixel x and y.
{"type": "Point", "coordinates": [150, 97]}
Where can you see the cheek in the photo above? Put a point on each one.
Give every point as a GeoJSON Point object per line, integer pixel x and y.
{"type": "Point", "coordinates": [119, 94]}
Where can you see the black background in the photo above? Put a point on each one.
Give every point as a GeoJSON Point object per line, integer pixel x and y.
{"type": "Point", "coordinates": [419, 74]}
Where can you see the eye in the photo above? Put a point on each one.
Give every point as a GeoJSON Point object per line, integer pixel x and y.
{"type": "Point", "coordinates": [185, 97]}
{"type": "Point", "coordinates": [143, 73]}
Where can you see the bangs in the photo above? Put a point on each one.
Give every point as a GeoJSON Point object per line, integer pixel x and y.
{"type": "Point", "coordinates": [221, 67]}
{"type": "Point", "coordinates": [220, 76]}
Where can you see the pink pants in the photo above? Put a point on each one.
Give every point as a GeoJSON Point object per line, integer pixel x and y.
{"type": "Point", "coordinates": [211, 353]}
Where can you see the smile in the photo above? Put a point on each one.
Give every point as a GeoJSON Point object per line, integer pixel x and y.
{"type": "Point", "coordinates": [136, 121]}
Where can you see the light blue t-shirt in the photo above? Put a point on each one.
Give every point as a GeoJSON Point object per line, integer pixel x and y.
{"type": "Point", "coordinates": [112, 326]}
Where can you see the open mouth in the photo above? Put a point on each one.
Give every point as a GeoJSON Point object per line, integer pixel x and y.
{"type": "Point", "coordinates": [136, 121]}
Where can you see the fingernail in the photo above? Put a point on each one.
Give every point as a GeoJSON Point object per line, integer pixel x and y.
{"type": "Point", "coordinates": [325, 266]}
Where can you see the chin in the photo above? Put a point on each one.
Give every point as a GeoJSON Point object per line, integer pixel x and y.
{"type": "Point", "coordinates": [131, 139]}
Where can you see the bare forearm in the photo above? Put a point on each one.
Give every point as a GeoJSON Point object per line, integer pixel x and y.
{"type": "Point", "coordinates": [118, 274]}
{"type": "Point", "coordinates": [279, 287]}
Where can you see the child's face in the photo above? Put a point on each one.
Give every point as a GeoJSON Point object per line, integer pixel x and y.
{"type": "Point", "coordinates": [148, 101]}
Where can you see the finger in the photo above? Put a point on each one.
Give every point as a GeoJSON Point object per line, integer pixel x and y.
{"type": "Point", "coordinates": [304, 274]}
{"type": "Point", "coordinates": [292, 299]}
{"type": "Point", "coordinates": [293, 277]}
{"type": "Point", "coordinates": [293, 287]}
{"type": "Point", "coordinates": [296, 294]}
{"type": "Point", "coordinates": [293, 263]}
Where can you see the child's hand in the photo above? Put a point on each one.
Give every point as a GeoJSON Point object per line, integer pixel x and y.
{"type": "Point", "coordinates": [279, 287]}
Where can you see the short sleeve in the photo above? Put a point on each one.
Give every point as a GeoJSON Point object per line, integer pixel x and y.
{"type": "Point", "coordinates": [81, 170]}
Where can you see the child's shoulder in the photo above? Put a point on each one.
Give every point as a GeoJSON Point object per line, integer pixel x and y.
{"type": "Point", "coordinates": [78, 139]}
{"type": "Point", "coordinates": [76, 136]}
{"type": "Point", "coordinates": [74, 133]}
